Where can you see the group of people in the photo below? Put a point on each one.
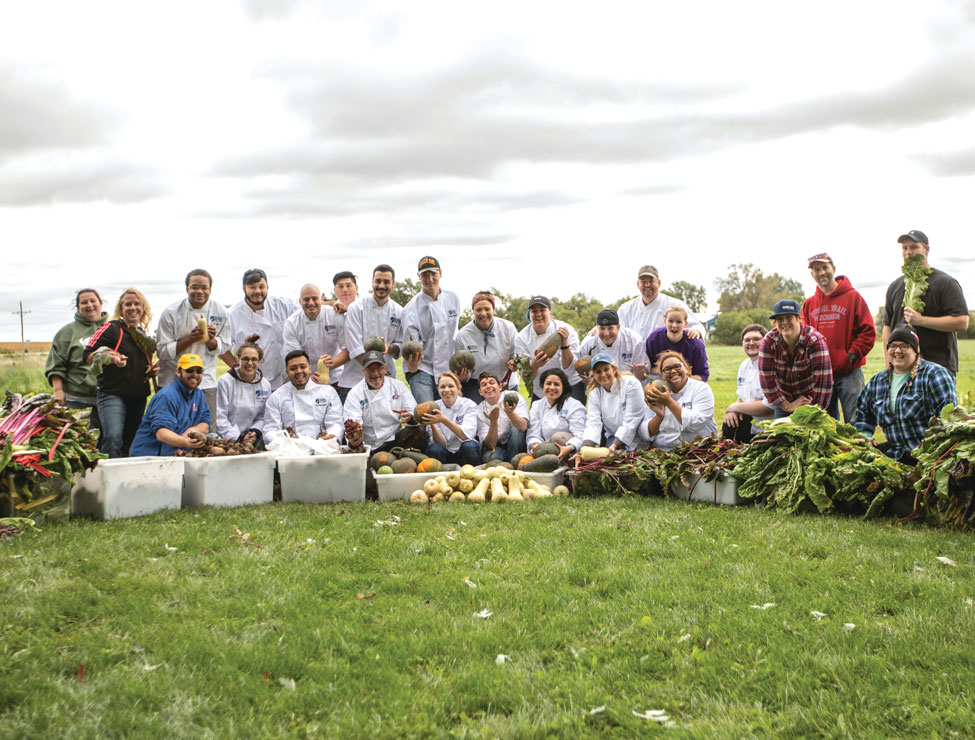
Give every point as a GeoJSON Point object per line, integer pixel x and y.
{"type": "Point", "coordinates": [637, 379]}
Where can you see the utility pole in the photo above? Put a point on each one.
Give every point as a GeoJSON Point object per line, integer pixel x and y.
{"type": "Point", "coordinates": [23, 346]}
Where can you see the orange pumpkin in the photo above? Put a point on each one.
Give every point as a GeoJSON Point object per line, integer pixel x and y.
{"type": "Point", "coordinates": [430, 465]}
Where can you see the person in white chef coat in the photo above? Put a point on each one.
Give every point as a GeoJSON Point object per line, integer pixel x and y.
{"type": "Point", "coordinates": [541, 326]}
{"type": "Point", "coordinates": [431, 318]}
{"type": "Point", "coordinates": [451, 427]}
{"type": "Point", "coordinates": [265, 315]}
{"type": "Point", "coordinates": [346, 290]}
{"type": "Point", "coordinates": [681, 412]}
{"type": "Point", "coordinates": [491, 340]}
{"type": "Point", "coordinates": [501, 426]}
{"type": "Point", "coordinates": [242, 395]}
{"type": "Point", "coordinates": [616, 408]}
{"type": "Point", "coordinates": [315, 329]}
{"type": "Point", "coordinates": [178, 332]}
{"type": "Point", "coordinates": [646, 312]}
{"type": "Point", "coordinates": [554, 413]}
{"type": "Point", "coordinates": [382, 405]}
{"type": "Point", "coordinates": [375, 315]}
{"type": "Point", "coordinates": [301, 406]}
{"type": "Point", "coordinates": [624, 346]}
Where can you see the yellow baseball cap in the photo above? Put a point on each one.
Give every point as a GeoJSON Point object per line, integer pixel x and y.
{"type": "Point", "coordinates": [189, 360]}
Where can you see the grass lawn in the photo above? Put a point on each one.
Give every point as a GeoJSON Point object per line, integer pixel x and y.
{"type": "Point", "coordinates": [349, 624]}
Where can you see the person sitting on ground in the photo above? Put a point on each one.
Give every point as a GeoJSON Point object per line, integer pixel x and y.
{"type": "Point", "coordinates": [66, 371]}
{"type": "Point", "coordinates": [242, 394]}
{"type": "Point", "coordinates": [739, 417]}
{"type": "Point", "coordinates": [452, 425]}
{"type": "Point", "coordinates": [793, 363]}
{"type": "Point", "coordinates": [683, 410]}
{"type": "Point", "coordinates": [674, 336]}
{"type": "Point", "coordinates": [382, 405]}
{"type": "Point", "coordinates": [177, 416]}
{"type": "Point", "coordinates": [616, 408]}
{"type": "Point", "coordinates": [541, 326]}
{"type": "Point", "coordinates": [902, 399]}
{"type": "Point", "coordinates": [501, 426]}
{"type": "Point", "coordinates": [624, 346]}
{"type": "Point", "coordinates": [556, 417]}
{"type": "Point", "coordinates": [301, 407]}
{"type": "Point", "coordinates": [491, 340]}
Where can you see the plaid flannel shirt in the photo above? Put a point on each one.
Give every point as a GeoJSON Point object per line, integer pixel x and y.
{"type": "Point", "coordinates": [919, 400]}
{"type": "Point", "coordinates": [807, 372]}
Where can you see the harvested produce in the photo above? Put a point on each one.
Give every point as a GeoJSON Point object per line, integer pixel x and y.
{"type": "Point", "coordinates": [915, 282]}
{"type": "Point", "coordinates": [619, 473]}
{"type": "Point", "coordinates": [411, 348]}
{"type": "Point", "coordinates": [543, 464]}
{"type": "Point", "coordinates": [545, 448]}
{"type": "Point", "coordinates": [374, 344]}
{"type": "Point", "coordinates": [461, 360]}
{"type": "Point", "coordinates": [810, 460]}
{"type": "Point", "coordinates": [945, 489]}
{"type": "Point", "coordinates": [217, 447]}
{"type": "Point", "coordinates": [588, 454]}
{"type": "Point", "coordinates": [384, 470]}
{"type": "Point", "coordinates": [511, 398]}
{"type": "Point", "coordinates": [423, 409]}
{"type": "Point", "coordinates": [324, 373]}
{"type": "Point", "coordinates": [353, 436]}
{"type": "Point", "coordinates": [710, 458]}
{"type": "Point", "coordinates": [495, 484]}
{"type": "Point", "coordinates": [201, 324]}
{"type": "Point", "coordinates": [584, 365]}
{"type": "Point", "coordinates": [551, 345]}
{"type": "Point", "coordinates": [14, 525]}
{"type": "Point", "coordinates": [524, 365]}
{"type": "Point", "coordinates": [430, 465]}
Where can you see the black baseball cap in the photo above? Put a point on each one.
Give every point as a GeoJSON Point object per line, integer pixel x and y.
{"type": "Point", "coordinates": [913, 236]}
{"type": "Point", "coordinates": [427, 264]}
{"type": "Point", "coordinates": [372, 357]}
{"type": "Point", "coordinates": [539, 300]}
{"type": "Point", "coordinates": [785, 307]}
{"type": "Point", "coordinates": [254, 275]}
{"type": "Point", "coordinates": [607, 317]}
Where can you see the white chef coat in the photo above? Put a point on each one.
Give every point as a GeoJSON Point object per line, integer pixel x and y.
{"type": "Point", "coordinates": [697, 411]}
{"type": "Point", "coordinates": [366, 319]}
{"type": "Point", "coordinates": [433, 323]}
{"type": "Point", "coordinates": [350, 373]}
{"type": "Point", "coordinates": [318, 336]}
{"type": "Point", "coordinates": [528, 341]}
{"type": "Point", "coordinates": [619, 411]}
{"type": "Point", "coordinates": [464, 414]}
{"type": "Point", "coordinates": [628, 349]}
{"type": "Point", "coordinates": [240, 405]}
{"type": "Point", "coordinates": [491, 353]}
{"type": "Point", "coordinates": [504, 424]}
{"type": "Point", "coordinates": [177, 321]}
{"type": "Point", "coordinates": [310, 411]}
{"type": "Point", "coordinates": [750, 386]}
{"type": "Point", "coordinates": [544, 420]}
{"type": "Point", "coordinates": [375, 410]}
{"type": "Point", "coordinates": [269, 323]}
{"type": "Point", "coordinates": [644, 318]}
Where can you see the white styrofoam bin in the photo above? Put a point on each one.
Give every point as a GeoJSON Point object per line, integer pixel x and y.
{"type": "Point", "coordinates": [128, 487]}
{"type": "Point", "coordinates": [713, 492]}
{"type": "Point", "coordinates": [549, 480]}
{"type": "Point", "coordinates": [321, 479]}
{"type": "Point", "coordinates": [235, 480]}
{"type": "Point", "coordinates": [401, 485]}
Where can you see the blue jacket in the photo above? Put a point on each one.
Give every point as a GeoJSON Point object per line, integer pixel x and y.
{"type": "Point", "coordinates": [176, 408]}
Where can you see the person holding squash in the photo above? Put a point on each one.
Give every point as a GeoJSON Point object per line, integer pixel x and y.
{"type": "Point", "coordinates": [452, 425]}
{"type": "Point", "coordinates": [683, 408]}
{"type": "Point", "coordinates": [491, 340]}
{"type": "Point", "coordinates": [502, 420]}
{"type": "Point", "coordinates": [549, 344]}
{"type": "Point", "coordinates": [376, 316]}
{"type": "Point", "coordinates": [556, 414]}
{"type": "Point", "coordinates": [616, 409]}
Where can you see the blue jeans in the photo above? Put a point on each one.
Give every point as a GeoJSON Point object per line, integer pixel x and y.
{"type": "Point", "coordinates": [468, 454]}
{"type": "Point", "coordinates": [120, 419]}
{"type": "Point", "coordinates": [779, 413]}
{"type": "Point", "coordinates": [423, 387]}
{"type": "Point", "coordinates": [506, 451]}
{"type": "Point", "coordinates": [846, 391]}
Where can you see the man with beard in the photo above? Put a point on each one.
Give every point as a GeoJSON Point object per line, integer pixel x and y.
{"type": "Point", "coordinates": [265, 315]}
{"type": "Point", "coordinates": [177, 416]}
{"type": "Point", "coordinates": [376, 315]}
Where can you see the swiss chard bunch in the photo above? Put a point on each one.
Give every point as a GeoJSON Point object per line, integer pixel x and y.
{"type": "Point", "coordinates": [915, 282]}
{"type": "Point", "coordinates": [709, 458]}
{"type": "Point", "coordinates": [946, 468]}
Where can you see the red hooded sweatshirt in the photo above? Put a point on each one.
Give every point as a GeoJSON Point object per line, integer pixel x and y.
{"type": "Point", "coordinates": [845, 320]}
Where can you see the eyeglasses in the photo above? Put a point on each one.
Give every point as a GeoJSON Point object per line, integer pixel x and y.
{"type": "Point", "coordinates": [898, 347]}
{"type": "Point", "coordinates": [193, 370]}
{"type": "Point", "coordinates": [671, 369]}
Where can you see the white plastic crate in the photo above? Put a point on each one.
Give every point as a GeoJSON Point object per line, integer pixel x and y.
{"type": "Point", "coordinates": [236, 480]}
{"type": "Point", "coordinates": [129, 487]}
{"type": "Point", "coordinates": [401, 485]}
{"type": "Point", "coordinates": [713, 492]}
{"type": "Point", "coordinates": [321, 479]}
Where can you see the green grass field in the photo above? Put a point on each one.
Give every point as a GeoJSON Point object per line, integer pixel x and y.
{"type": "Point", "coordinates": [367, 621]}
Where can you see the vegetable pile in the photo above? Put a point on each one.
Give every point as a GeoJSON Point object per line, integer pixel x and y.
{"type": "Point", "coordinates": [809, 460]}
{"type": "Point", "coordinates": [946, 468]}
{"type": "Point", "coordinates": [41, 443]}
{"type": "Point", "coordinates": [494, 485]}
{"type": "Point", "coordinates": [710, 458]}
{"type": "Point", "coordinates": [217, 447]}
{"type": "Point", "coordinates": [915, 282]}
{"type": "Point", "coordinates": [620, 472]}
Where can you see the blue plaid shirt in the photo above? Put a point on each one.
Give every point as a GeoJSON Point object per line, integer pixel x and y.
{"type": "Point", "coordinates": [919, 400]}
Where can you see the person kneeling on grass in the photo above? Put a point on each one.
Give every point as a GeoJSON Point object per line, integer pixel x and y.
{"type": "Point", "coordinates": [177, 416]}
{"type": "Point", "coordinates": [382, 405]}
{"type": "Point", "coordinates": [616, 408]}
{"type": "Point", "coordinates": [683, 410]}
{"type": "Point", "coordinates": [452, 425]}
{"type": "Point", "coordinates": [301, 407]}
{"type": "Point", "coordinates": [501, 426]}
{"type": "Point", "coordinates": [902, 399]}
{"type": "Point", "coordinates": [556, 417]}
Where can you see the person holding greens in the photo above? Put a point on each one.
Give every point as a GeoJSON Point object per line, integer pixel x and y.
{"type": "Point", "coordinates": [902, 399]}
{"type": "Point", "coordinates": [66, 371]}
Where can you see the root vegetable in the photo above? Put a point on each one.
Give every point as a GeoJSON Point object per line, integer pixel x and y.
{"type": "Point", "coordinates": [431, 487]}
{"type": "Point", "coordinates": [456, 497]}
{"type": "Point", "coordinates": [418, 497]}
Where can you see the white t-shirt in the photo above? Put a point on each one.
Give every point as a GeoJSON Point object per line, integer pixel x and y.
{"type": "Point", "coordinates": [376, 410]}
{"type": "Point", "coordinates": [464, 414]}
{"type": "Point", "coordinates": [643, 318]}
{"type": "Point", "coordinates": [504, 423]}
{"type": "Point", "coordinates": [433, 323]}
{"type": "Point", "coordinates": [269, 323]}
{"type": "Point", "coordinates": [366, 319]}
{"type": "Point", "coordinates": [240, 405]}
{"type": "Point", "coordinates": [177, 321]}
{"type": "Point", "coordinates": [491, 353]}
{"type": "Point", "coordinates": [544, 420]}
{"type": "Point", "coordinates": [528, 341]}
{"type": "Point", "coordinates": [697, 414]}
{"type": "Point", "coordinates": [318, 336]}
{"type": "Point", "coordinates": [619, 411]}
{"type": "Point", "coordinates": [309, 411]}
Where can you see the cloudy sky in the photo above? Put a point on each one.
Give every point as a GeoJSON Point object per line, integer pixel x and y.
{"type": "Point", "coordinates": [539, 147]}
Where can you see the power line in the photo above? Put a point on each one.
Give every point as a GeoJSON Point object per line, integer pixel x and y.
{"type": "Point", "coordinates": [23, 345]}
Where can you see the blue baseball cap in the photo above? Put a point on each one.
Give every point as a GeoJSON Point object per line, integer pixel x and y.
{"type": "Point", "coordinates": [785, 307]}
{"type": "Point", "coordinates": [598, 358]}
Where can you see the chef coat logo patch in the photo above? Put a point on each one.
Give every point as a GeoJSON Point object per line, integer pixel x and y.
{"type": "Point", "coordinates": [452, 313]}
{"type": "Point", "coordinates": [394, 320]}
{"type": "Point", "coordinates": [472, 348]}
{"type": "Point", "coordinates": [321, 402]}
{"type": "Point", "coordinates": [261, 394]}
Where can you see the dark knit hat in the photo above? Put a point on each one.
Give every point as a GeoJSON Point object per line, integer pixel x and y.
{"type": "Point", "coordinates": [905, 334]}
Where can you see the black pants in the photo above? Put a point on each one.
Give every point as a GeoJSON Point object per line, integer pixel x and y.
{"type": "Point", "coordinates": [742, 434]}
